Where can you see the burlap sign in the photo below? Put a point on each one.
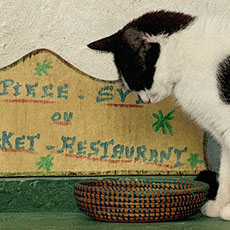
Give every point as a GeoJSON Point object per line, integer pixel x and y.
{"type": "Point", "coordinates": [56, 120]}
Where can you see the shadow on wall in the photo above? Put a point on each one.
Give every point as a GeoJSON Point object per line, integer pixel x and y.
{"type": "Point", "coordinates": [213, 152]}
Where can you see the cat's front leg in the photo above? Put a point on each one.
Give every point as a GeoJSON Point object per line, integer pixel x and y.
{"type": "Point", "coordinates": [225, 212]}
{"type": "Point", "coordinates": [220, 207]}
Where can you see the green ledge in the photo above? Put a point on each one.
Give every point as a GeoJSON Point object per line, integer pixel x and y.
{"type": "Point", "coordinates": [49, 194]}
{"type": "Point", "coordinates": [49, 203]}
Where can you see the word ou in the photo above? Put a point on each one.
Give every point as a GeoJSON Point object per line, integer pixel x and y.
{"type": "Point", "coordinates": [57, 116]}
{"type": "Point", "coordinates": [120, 151]}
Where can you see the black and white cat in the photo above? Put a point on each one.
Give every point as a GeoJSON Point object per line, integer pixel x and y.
{"type": "Point", "coordinates": [163, 53]}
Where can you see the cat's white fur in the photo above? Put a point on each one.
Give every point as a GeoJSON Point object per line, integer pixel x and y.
{"type": "Point", "coordinates": [187, 67]}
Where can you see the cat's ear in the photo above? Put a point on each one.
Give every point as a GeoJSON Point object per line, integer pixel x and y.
{"type": "Point", "coordinates": [136, 39]}
{"type": "Point", "coordinates": [106, 44]}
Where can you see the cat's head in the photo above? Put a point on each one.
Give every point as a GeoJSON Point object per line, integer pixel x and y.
{"type": "Point", "coordinates": [135, 57]}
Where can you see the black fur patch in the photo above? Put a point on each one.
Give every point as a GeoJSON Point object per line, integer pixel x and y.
{"type": "Point", "coordinates": [161, 22]}
{"type": "Point", "coordinates": [138, 71]}
{"type": "Point", "coordinates": [223, 78]}
{"type": "Point", "coordinates": [134, 56]}
{"type": "Point", "coordinates": [209, 177]}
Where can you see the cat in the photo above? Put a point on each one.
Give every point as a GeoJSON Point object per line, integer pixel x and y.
{"type": "Point", "coordinates": [163, 53]}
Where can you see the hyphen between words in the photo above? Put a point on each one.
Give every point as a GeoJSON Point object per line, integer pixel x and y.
{"type": "Point", "coordinates": [10, 87]}
{"type": "Point", "coordinates": [100, 149]}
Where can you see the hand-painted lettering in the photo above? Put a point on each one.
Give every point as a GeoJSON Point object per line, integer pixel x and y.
{"type": "Point", "coordinates": [6, 140]}
{"type": "Point", "coordinates": [9, 141]}
{"type": "Point", "coordinates": [123, 94]}
{"type": "Point", "coordinates": [67, 143]}
{"type": "Point", "coordinates": [94, 148]}
{"type": "Point", "coordinates": [165, 155]}
{"type": "Point", "coordinates": [104, 95]}
{"type": "Point", "coordinates": [31, 141]}
{"type": "Point", "coordinates": [81, 146]}
{"type": "Point", "coordinates": [31, 89]}
{"type": "Point", "coordinates": [141, 150]}
{"type": "Point", "coordinates": [63, 91]}
{"type": "Point", "coordinates": [35, 90]}
{"type": "Point", "coordinates": [67, 117]}
{"type": "Point", "coordinates": [6, 84]}
{"type": "Point", "coordinates": [153, 155]}
{"type": "Point", "coordinates": [47, 93]}
{"type": "Point", "coordinates": [178, 153]}
{"type": "Point", "coordinates": [20, 142]}
{"type": "Point", "coordinates": [16, 89]}
{"type": "Point", "coordinates": [129, 152]}
{"type": "Point", "coordinates": [118, 151]}
{"type": "Point", "coordinates": [105, 145]}
{"type": "Point", "coordinates": [101, 150]}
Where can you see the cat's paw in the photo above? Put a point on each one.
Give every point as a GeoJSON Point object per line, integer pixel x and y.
{"type": "Point", "coordinates": [211, 209]}
{"type": "Point", "coordinates": [144, 96]}
{"type": "Point", "coordinates": [156, 97]}
{"type": "Point", "coordinates": [225, 212]}
{"type": "Point", "coordinates": [148, 96]}
{"type": "Point", "coordinates": [158, 92]}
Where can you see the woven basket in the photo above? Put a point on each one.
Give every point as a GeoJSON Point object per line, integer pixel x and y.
{"type": "Point", "coordinates": [140, 200]}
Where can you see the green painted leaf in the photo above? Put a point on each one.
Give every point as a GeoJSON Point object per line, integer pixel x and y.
{"type": "Point", "coordinates": [162, 122]}
{"type": "Point", "coordinates": [42, 68]}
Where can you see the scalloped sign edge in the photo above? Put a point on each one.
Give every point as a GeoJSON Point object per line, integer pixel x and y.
{"type": "Point", "coordinates": [91, 172]}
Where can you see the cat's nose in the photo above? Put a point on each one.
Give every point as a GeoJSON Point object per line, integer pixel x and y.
{"type": "Point", "coordinates": [147, 102]}
{"type": "Point", "coordinates": [144, 97]}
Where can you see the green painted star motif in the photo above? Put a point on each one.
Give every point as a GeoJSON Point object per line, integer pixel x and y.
{"type": "Point", "coordinates": [42, 68]}
{"type": "Point", "coordinates": [162, 122]}
{"type": "Point", "coordinates": [194, 161]}
{"type": "Point", "coordinates": [46, 163]}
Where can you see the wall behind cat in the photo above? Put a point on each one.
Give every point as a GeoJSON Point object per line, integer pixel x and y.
{"type": "Point", "coordinates": [66, 27]}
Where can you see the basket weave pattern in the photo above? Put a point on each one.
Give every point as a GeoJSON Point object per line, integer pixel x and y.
{"type": "Point", "coordinates": [140, 200]}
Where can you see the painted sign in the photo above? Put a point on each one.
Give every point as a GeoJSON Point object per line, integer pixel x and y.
{"type": "Point", "coordinates": [56, 120]}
